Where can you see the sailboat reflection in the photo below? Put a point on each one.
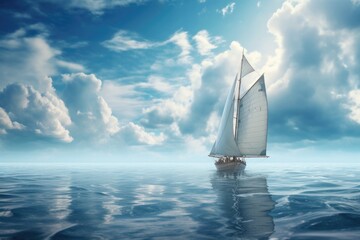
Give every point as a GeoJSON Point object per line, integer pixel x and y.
{"type": "Point", "coordinates": [246, 203]}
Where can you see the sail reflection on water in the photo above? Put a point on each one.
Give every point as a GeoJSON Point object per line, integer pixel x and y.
{"type": "Point", "coordinates": [246, 204]}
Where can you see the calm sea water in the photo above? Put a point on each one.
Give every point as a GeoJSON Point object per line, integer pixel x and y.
{"type": "Point", "coordinates": [179, 202]}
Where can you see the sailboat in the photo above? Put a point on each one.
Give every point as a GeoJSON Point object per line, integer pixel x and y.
{"type": "Point", "coordinates": [243, 127]}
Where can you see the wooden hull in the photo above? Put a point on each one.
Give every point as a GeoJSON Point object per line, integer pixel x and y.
{"type": "Point", "coordinates": [234, 166]}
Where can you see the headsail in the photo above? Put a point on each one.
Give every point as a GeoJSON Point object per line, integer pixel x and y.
{"type": "Point", "coordinates": [246, 68]}
{"type": "Point", "coordinates": [225, 144]}
{"type": "Point", "coordinates": [253, 120]}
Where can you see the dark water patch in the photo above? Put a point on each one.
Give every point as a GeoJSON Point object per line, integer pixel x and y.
{"type": "Point", "coordinates": [6, 197]}
{"type": "Point", "coordinates": [339, 221]}
{"type": "Point", "coordinates": [80, 232]}
{"type": "Point", "coordinates": [327, 235]}
{"type": "Point", "coordinates": [31, 234]}
{"type": "Point", "coordinates": [344, 206]}
{"type": "Point", "coordinates": [303, 203]}
{"type": "Point", "coordinates": [78, 189]}
{"type": "Point", "coordinates": [30, 213]}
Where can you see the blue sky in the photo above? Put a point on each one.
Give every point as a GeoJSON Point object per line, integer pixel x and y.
{"type": "Point", "coordinates": [141, 77]}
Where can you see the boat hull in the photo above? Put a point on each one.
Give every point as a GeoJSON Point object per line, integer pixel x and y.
{"type": "Point", "coordinates": [235, 166]}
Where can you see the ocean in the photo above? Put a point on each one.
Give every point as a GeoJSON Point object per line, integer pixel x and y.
{"type": "Point", "coordinates": [179, 201]}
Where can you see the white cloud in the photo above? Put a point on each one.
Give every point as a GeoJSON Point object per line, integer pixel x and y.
{"type": "Point", "coordinates": [258, 4]}
{"type": "Point", "coordinates": [197, 145]}
{"type": "Point", "coordinates": [91, 115]}
{"type": "Point", "coordinates": [227, 9]}
{"type": "Point", "coordinates": [26, 112]}
{"type": "Point", "coordinates": [181, 39]}
{"type": "Point", "coordinates": [123, 99]}
{"type": "Point", "coordinates": [70, 65]}
{"type": "Point", "coordinates": [134, 134]}
{"type": "Point", "coordinates": [313, 67]}
{"type": "Point", "coordinates": [166, 111]}
{"type": "Point", "coordinates": [6, 123]}
{"type": "Point", "coordinates": [204, 42]}
{"type": "Point", "coordinates": [124, 41]}
{"type": "Point", "coordinates": [354, 105]}
{"type": "Point", "coordinates": [33, 55]}
{"type": "Point", "coordinates": [158, 83]}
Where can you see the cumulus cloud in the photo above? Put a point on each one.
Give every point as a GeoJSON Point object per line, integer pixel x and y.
{"type": "Point", "coordinates": [6, 123]}
{"type": "Point", "coordinates": [32, 56]}
{"type": "Point", "coordinates": [25, 114]}
{"type": "Point", "coordinates": [91, 115]}
{"type": "Point", "coordinates": [157, 83]}
{"type": "Point", "coordinates": [31, 109]}
{"type": "Point", "coordinates": [167, 111]}
{"type": "Point", "coordinates": [134, 134]}
{"type": "Point", "coordinates": [124, 100]}
{"type": "Point", "coordinates": [314, 65]}
{"type": "Point", "coordinates": [354, 105]}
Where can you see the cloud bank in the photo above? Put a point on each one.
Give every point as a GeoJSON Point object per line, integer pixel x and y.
{"type": "Point", "coordinates": [312, 79]}
{"type": "Point", "coordinates": [313, 74]}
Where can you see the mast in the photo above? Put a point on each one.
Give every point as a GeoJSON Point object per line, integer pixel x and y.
{"type": "Point", "coordinates": [238, 100]}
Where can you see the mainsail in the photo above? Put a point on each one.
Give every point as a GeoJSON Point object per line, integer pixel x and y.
{"type": "Point", "coordinates": [252, 120]}
{"type": "Point", "coordinates": [249, 137]}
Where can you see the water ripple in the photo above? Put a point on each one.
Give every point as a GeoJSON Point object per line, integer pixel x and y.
{"type": "Point", "coordinates": [178, 204]}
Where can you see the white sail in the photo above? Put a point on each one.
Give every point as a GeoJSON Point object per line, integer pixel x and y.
{"type": "Point", "coordinates": [246, 68]}
{"type": "Point", "coordinates": [253, 121]}
{"type": "Point", "coordinates": [225, 144]}
{"type": "Point", "coordinates": [249, 137]}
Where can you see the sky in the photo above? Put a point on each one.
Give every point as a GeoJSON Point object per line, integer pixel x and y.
{"type": "Point", "coordinates": [148, 78]}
